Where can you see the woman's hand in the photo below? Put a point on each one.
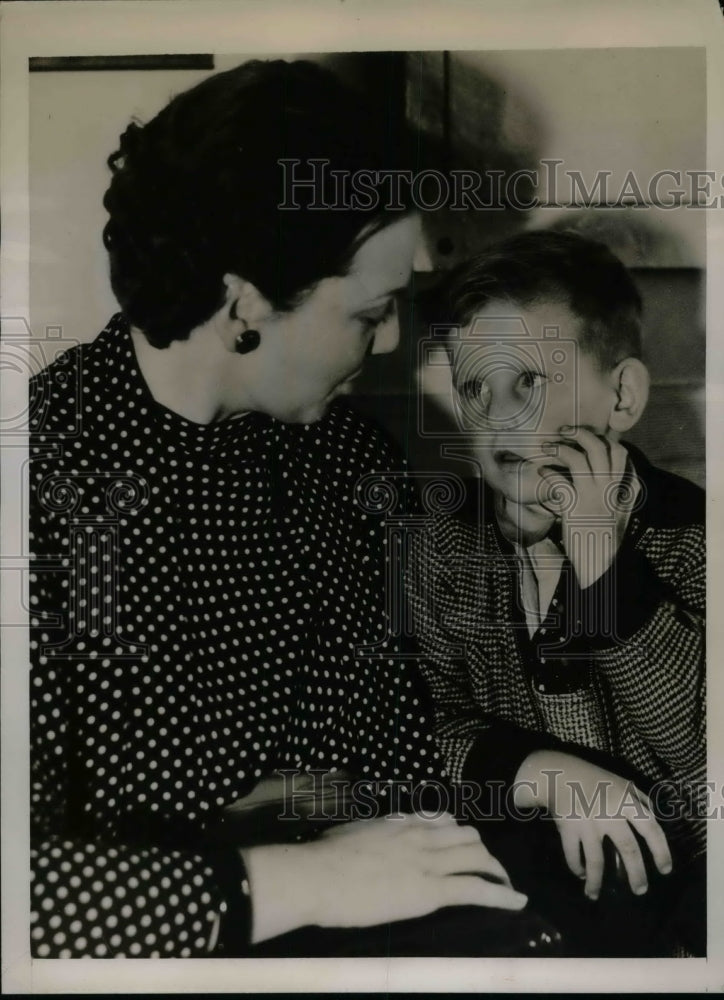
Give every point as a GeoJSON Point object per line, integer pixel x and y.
{"type": "Point", "coordinates": [372, 872]}
{"type": "Point", "coordinates": [589, 803]}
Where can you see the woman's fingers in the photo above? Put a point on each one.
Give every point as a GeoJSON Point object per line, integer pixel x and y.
{"type": "Point", "coordinates": [398, 869]}
{"type": "Point", "coordinates": [470, 890]}
{"type": "Point", "coordinates": [425, 821]}
{"type": "Point", "coordinates": [468, 859]}
{"type": "Point", "coordinates": [422, 825]}
{"type": "Point", "coordinates": [455, 835]}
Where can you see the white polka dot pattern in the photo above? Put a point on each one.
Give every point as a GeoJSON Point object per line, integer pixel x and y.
{"type": "Point", "coordinates": [198, 593]}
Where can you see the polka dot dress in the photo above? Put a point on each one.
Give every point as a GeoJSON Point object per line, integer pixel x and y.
{"type": "Point", "coordinates": [197, 595]}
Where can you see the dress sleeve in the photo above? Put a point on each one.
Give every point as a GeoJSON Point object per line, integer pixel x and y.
{"type": "Point", "coordinates": [91, 895]}
{"type": "Point", "coordinates": [91, 899]}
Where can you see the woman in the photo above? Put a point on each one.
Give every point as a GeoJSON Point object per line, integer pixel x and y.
{"type": "Point", "coordinates": [202, 574]}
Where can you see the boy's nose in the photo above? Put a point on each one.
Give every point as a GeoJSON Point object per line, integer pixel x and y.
{"type": "Point", "coordinates": [503, 411]}
{"type": "Point", "coordinates": [511, 418]}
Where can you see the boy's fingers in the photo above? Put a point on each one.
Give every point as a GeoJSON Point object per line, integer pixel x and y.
{"type": "Point", "coordinates": [593, 853]}
{"type": "Point", "coordinates": [571, 845]}
{"type": "Point", "coordinates": [619, 459]}
{"type": "Point", "coordinates": [595, 447]}
{"type": "Point", "coordinates": [555, 494]}
{"type": "Point", "coordinates": [574, 459]}
{"type": "Point", "coordinates": [655, 837]}
{"type": "Point", "coordinates": [630, 854]}
{"type": "Point", "coordinates": [644, 798]}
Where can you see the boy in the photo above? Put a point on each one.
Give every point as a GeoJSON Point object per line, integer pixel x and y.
{"type": "Point", "coordinates": [564, 630]}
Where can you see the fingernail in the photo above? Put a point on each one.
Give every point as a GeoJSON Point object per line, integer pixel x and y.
{"type": "Point", "coordinates": [521, 898]}
{"type": "Point", "coordinates": [566, 429]}
{"type": "Point", "coordinates": [592, 895]}
{"type": "Point", "coordinates": [640, 890]}
{"type": "Point", "coordinates": [666, 869]}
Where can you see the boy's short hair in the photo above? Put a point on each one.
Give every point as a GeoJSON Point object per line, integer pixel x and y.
{"type": "Point", "coordinates": [544, 265]}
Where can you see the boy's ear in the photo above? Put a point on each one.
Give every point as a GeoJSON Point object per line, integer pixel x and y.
{"type": "Point", "coordinates": [630, 379]}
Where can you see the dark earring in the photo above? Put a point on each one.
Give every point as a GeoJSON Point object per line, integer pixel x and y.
{"type": "Point", "coordinates": [247, 341]}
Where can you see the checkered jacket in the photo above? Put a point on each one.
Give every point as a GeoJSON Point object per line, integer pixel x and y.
{"type": "Point", "coordinates": [616, 672]}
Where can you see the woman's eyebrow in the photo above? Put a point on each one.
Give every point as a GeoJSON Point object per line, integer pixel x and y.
{"type": "Point", "coordinates": [386, 294]}
{"type": "Point", "coordinates": [384, 308]}
{"type": "Point", "coordinates": [383, 302]}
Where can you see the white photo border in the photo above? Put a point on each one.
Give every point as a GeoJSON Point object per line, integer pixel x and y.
{"type": "Point", "coordinates": [98, 27]}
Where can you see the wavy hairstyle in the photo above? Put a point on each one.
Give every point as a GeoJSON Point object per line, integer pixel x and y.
{"type": "Point", "coordinates": [195, 193]}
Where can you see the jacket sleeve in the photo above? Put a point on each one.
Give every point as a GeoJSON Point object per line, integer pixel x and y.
{"type": "Point", "coordinates": [651, 655]}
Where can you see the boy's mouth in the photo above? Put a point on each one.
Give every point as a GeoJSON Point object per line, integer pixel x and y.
{"type": "Point", "coordinates": [511, 460]}
{"type": "Point", "coordinates": [508, 459]}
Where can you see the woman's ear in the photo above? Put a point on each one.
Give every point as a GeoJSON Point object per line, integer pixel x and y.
{"type": "Point", "coordinates": [630, 379]}
{"type": "Point", "coordinates": [244, 307]}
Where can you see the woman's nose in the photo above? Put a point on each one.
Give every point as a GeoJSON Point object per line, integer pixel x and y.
{"type": "Point", "coordinates": [387, 335]}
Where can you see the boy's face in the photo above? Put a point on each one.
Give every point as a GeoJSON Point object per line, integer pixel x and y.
{"type": "Point", "coordinates": [518, 383]}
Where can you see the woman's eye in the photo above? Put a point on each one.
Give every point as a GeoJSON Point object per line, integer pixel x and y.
{"type": "Point", "coordinates": [372, 320]}
{"type": "Point", "coordinates": [530, 379]}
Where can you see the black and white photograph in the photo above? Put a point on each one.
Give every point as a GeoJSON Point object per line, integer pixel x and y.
{"type": "Point", "coordinates": [361, 442]}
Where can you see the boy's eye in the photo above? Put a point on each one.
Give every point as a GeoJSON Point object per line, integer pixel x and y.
{"type": "Point", "coordinates": [530, 379]}
{"type": "Point", "coordinates": [475, 392]}
{"type": "Point", "coordinates": [471, 390]}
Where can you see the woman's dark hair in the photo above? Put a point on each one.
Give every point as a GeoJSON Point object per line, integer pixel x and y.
{"type": "Point", "coordinates": [544, 265]}
{"type": "Point", "coordinates": [195, 193]}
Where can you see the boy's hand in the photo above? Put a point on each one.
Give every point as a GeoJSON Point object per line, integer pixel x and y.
{"type": "Point", "coordinates": [595, 516]}
{"type": "Point", "coordinates": [589, 803]}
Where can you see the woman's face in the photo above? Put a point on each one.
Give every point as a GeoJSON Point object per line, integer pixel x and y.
{"type": "Point", "coordinates": [311, 355]}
